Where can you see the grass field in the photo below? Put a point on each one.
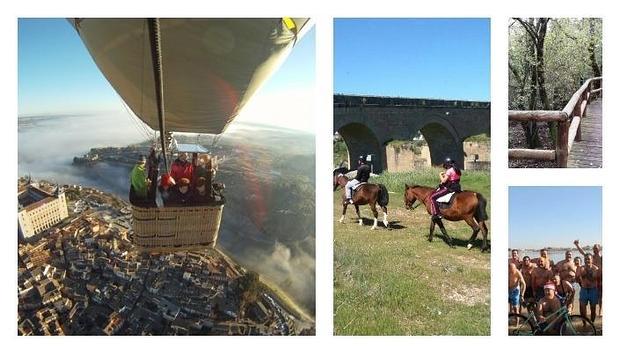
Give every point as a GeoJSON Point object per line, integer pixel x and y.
{"type": "Point", "coordinates": [394, 282]}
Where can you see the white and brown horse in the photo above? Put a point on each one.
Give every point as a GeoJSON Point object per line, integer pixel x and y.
{"type": "Point", "coordinates": [366, 194]}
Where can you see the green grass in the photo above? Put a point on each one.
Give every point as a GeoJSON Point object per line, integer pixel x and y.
{"type": "Point", "coordinates": [394, 282]}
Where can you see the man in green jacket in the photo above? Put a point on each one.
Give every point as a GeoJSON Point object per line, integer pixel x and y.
{"type": "Point", "coordinates": [139, 183]}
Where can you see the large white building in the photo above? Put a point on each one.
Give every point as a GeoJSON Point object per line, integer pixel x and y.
{"type": "Point", "coordinates": [39, 210]}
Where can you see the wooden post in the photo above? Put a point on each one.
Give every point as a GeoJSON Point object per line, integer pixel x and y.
{"type": "Point", "coordinates": [581, 115]}
{"type": "Point", "coordinates": [561, 146]}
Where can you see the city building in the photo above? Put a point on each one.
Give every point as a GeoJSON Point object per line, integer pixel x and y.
{"type": "Point", "coordinates": [39, 210]}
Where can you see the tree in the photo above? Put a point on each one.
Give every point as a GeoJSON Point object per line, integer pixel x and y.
{"type": "Point", "coordinates": [536, 28]}
{"type": "Point", "coordinates": [548, 61]}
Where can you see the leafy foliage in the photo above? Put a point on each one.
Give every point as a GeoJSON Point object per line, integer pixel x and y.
{"type": "Point", "coordinates": [566, 55]}
{"type": "Point", "coordinates": [549, 59]}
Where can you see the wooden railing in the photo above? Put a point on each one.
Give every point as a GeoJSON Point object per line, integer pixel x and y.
{"type": "Point", "coordinates": [568, 124]}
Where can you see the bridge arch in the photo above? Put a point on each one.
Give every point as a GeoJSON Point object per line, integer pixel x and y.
{"type": "Point", "coordinates": [361, 140]}
{"type": "Point", "coordinates": [379, 120]}
{"type": "Point", "coordinates": [443, 142]}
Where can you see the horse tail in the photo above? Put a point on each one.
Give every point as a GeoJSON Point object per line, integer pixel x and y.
{"type": "Point", "coordinates": [481, 210]}
{"type": "Point", "coordinates": [384, 197]}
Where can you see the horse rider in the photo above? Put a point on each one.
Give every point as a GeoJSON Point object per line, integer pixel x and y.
{"type": "Point", "coordinates": [363, 174]}
{"type": "Point", "coordinates": [450, 183]}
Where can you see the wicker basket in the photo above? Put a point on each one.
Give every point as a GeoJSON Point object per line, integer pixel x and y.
{"type": "Point", "coordinates": [176, 228]}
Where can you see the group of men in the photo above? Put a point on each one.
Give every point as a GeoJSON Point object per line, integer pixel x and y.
{"type": "Point", "coordinates": [552, 284]}
{"type": "Point", "coordinates": [187, 184]}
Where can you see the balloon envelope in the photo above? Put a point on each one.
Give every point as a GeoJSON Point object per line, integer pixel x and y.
{"type": "Point", "coordinates": [211, 67]}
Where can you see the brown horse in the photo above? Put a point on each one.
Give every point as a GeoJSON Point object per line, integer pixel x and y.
{"type": "Point", "coordinates": [467, 205]}
{"type": "Point", "coordinates": [366, 194]}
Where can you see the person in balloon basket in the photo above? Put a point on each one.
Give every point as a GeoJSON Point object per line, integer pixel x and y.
{"type": "Point", "coordinates": [181, 195]}
{"type": "Point", "coordinates": [166, 186]}
{"type": "Point", "coordinates": [450, 182]}
{"type": "Point", "coordinates": [182, 168]}
{"type": "Point", "coordinates": [139, 184]}
{"type": "Point", "coordinates": [363, 174]}
{"type": "Point", "coordinates": [202, 194]}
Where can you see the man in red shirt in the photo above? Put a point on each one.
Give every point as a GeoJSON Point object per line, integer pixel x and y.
{"type": "Point", "coordinates": [181, 168]}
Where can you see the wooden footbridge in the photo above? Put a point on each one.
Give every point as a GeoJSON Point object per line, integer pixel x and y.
{"type": "Point", "coordinates": [579, 129]}
{"type": "Point", "coordinates": [589, 151]}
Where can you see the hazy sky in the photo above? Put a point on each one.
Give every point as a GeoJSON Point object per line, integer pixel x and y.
{"type": "Point", "coordinates": [423, 58]}
{"type": "Point", "coordinates": [58, 76]}
{"type": "Point", "coordinates": [554, 216]}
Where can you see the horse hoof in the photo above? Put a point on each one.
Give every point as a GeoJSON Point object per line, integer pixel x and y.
{"type": "Point", "coordinates": [469, 246]}
{"type": "Point", "coordinates": [386, 224]}
{"type": "Point", "coordinates": [361, 223]}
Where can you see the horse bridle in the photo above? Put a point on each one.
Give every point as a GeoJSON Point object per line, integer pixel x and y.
{"type": "Point", "coordinates": [420, 202]}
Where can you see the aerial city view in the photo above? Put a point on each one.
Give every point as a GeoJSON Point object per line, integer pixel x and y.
{"type": "Point", "coordinates": [157, 194]}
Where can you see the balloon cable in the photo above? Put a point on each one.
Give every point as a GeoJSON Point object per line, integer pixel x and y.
{"type": "Point", "coordinates": [155, 38]}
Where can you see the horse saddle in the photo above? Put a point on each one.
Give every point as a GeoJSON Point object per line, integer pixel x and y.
{"type": "Point", "coordinates": [358, 185]}
{"type": "Point", "coordinates": [446, 201]}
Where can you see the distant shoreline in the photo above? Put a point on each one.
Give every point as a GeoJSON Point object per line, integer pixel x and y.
{"type": "Point", "coordinates": [552, 249]}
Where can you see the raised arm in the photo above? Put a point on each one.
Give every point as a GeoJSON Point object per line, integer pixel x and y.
{"type": "Point", "coordinates": [576, 242]}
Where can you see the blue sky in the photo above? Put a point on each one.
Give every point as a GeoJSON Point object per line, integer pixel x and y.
{"type": "Point", "coordinates": [554, 216]}
{"type": "Point", "coordinates": [424, 58]}
{"type": "Point", "coordinates": [56, 73]}
{"type": "Point", "coordinates": [58, 76]}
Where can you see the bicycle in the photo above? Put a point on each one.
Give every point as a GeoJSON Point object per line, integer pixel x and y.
{"type": "Point", "coordinates": [570, 325]}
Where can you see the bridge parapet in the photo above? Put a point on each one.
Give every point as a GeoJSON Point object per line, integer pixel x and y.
{"type": "Point", "coordinates": [346, 101]}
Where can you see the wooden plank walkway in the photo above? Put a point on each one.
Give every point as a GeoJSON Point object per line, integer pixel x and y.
{"type": "Point", "coordinates": [589, 152]}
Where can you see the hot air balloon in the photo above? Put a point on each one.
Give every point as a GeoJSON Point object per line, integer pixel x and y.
{"type": "Point", "coordinates": [186, 75]}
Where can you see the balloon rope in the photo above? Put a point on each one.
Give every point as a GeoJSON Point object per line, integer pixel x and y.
{"type": "Point", "coordinates": [155, 38]}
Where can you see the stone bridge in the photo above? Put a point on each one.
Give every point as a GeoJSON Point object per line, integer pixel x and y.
{"type": "Point", "coordinates": [368, 123]}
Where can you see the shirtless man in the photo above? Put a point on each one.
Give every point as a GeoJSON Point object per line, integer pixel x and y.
{"type": "Point", "coordinates": [578, 263]}
{"type": "Point", "coordinates": [526, 270]}
{"type": "Point", "coordinates": [566, 268]}
{"type": "Point", "coordinates": [565, 291]}
{"type": "Point", "coordinates": [588, 276]}
{"type": "Point", "coordinates": [597, 259]}
{"type": "Point", "coordinates": [549, 304]}
{"type": "Point", "coordinates": [544, 256]}
{"type": "Point", "coordinates": [516, 288]}
{"type": "Point", "coordinates": [515, 259]}
{"type": "Point", "coordinates": [540, 276]}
